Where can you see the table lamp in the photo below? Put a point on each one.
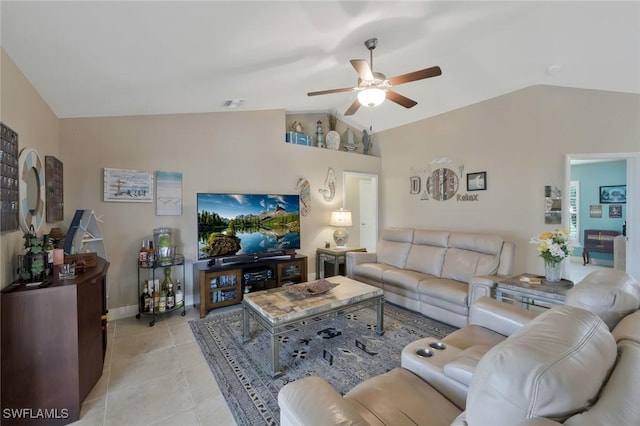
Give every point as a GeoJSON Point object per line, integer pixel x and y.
{"type": "Point", "coordinates": [341, 218]}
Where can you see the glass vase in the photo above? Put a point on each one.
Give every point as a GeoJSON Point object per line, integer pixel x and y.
{"type": "Point", "coordinates": [552, 271]}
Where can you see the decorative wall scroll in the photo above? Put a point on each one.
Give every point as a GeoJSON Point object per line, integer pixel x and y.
{"type": "Point", "coordinates": [128, 186]}
{"type": "Point", "coordinates": [304, 189]}
{"type": "Point", "coordinates": [54, 194]}
{"type": "Point", "coordinates": [9, 187]}
{"type": "Point", "coordinates": [552, 205]}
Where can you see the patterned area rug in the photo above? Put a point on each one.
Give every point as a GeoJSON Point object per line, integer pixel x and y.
{"type": "Point", "coordinates": [343, 350]}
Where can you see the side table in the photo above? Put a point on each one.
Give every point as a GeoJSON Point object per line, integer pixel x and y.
{"type": "Point", "coordinates": [529, 294]}
{"type": "Point", "coordinates": [334, 255]}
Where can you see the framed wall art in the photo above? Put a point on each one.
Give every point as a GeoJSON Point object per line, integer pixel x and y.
{"type": "Point", "coordinates": [54, 196]}
{"type": "Point", "coordinates": [130, 186]}
{"type": "Point", "coordinates": [616, 194]}
{"type": "Point", "coordinates": [477, 181]}
{"type": "Point", "coordinates": [595, 211]}
{"type": "Point", "coordinates": [168, 193]}
{"type": "Point", "coordinates": [9, 179]}
{"type": "Point", "coordinates": [615, 211]}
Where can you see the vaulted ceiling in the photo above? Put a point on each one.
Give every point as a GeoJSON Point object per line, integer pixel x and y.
{"type": "Point", "coordinates": [107, 58]}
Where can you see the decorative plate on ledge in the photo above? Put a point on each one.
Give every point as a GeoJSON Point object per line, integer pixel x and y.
{"type": "Point", "coordinates": [310, 289]}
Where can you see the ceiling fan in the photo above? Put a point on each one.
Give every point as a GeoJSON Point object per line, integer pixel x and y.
{"type": "Point", "coordinates": [374, 87]}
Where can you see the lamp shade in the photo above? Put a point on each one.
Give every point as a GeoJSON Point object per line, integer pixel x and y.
{"type": "Point", "coordinates": [371, 97]}
{"type": "Point", "coordinates": [341, 218]}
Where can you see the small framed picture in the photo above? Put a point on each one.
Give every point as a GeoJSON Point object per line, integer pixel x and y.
{"type": "Point", "coordinates": [615, 211]}
{"type": "Point", "coordinates": [477, 181]}
{"type": "Point", "coordinates": [595, 211]}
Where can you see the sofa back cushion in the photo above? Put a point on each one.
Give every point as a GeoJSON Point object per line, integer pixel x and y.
{"type": "Point", "coordinates": [394, 245]}
{"type": "Point", "coordinates": [552, 367]}
{"type": "Point", "coordinates": [609, 293]}
{"type": "Point", "coordinates": [470, 255]}
{"type": "Point", "coordinates": [427, 251]}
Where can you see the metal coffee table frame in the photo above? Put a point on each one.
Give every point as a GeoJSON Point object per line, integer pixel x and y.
{"type": "Point", "coordinates": [285, 327]}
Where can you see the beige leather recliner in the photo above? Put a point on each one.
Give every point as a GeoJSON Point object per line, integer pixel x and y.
{"type": "Point", "coordinates": [431, 397]}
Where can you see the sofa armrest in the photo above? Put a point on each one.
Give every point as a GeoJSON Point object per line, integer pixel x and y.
{"type": "Point", "coordinates": [357, 257]}
{"type": "Point", "coordinates": [482, 286]}
{"type": "Point", "coordinates": [311, 401]}
{"type": "Point", "coordinates": [501, 317]}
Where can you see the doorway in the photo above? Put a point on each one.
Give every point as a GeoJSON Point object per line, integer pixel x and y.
{"type": "Point", "coordinates": [360, 195]}
{"type": "Point", "coordinates": [632, 202]}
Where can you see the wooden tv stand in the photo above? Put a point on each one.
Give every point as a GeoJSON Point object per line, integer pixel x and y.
{"type": "Point", "coordinates": [223, 284]}
{"type": "Point", "coordinates": [597, 240]}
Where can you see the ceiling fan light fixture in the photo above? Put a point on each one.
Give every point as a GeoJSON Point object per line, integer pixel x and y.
{"type": "Point", "coordinates": [372, 96]}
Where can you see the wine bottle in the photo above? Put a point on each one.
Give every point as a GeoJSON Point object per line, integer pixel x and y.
{"type": "Point", "coordinates": [47, 248]}
{"type": "Point", "coordinates": [142, 254]}
{"type": "Point", "coordinates": [156, 298]}
{"type": "Point", "coordinates": [179, 295]}
{"type": "Point", "coordinates": [144, 300]}
{"type": "Point", "coordinates": [151, 255]}
{"type": "Point", "coordinates": [162, 307]}
{"type": "Point", "coordinates": [171, 298]}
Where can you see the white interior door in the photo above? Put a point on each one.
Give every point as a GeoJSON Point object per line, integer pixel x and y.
{"type": "Point", "coordinates": [368, 237]}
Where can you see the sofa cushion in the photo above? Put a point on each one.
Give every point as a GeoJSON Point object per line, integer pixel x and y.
{"type": "Point", "coordinates": [403, 281]}
{"type": "Point", "coordinates": [553, 367]}
{"type": "Point", "coordinates": [451, 291]}
{"type": "Point", "coordinates": [470, 255]}
{"type": "Point", "coordinates": [462, 367]}
{"type": "Point", "coordinates": [426, 259]}
{"type": "Point", "coordinates": [394, 246]}
{"type": "Point", "coordinates": [372, 271]}
{"type": "Point", "coordinates": [399, 397]}
{"type": "Point", "coordinates": [611, 294]}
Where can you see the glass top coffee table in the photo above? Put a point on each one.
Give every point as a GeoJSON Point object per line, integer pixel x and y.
{"type": "Point", "coordinates": [277, 309]}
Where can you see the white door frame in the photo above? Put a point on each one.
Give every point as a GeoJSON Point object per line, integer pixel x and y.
{"type": "Point", "coordinates": [374, 181]}
{"type": "Point", "coordinates": [633, 200]}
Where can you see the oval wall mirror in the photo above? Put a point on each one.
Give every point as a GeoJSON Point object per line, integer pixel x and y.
{"type": "Point", "coordinates": [32, 189]}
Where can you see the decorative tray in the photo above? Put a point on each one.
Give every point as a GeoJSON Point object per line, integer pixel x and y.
{"type": "Point", "coordinates": [310, 289]}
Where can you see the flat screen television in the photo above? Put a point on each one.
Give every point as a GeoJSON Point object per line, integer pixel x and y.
{"type": "Point", "coordinates": [247, 224]}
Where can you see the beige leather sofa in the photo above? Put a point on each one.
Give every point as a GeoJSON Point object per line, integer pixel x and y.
{"type": "Point", "coordinates": [437, 273]}
{"type": "Point", "coordinates": [610, 294]}
{"type": "Point", "coordinates": [566, 366]}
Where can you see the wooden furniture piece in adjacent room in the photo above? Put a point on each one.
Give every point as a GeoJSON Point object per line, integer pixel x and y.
{"type": "Point", "coordinates": [53, 346]}
{"type": "Point", "coordinates": [224, 285]}
{"type": "Point", "coordinates": [597, 240]}
{"type": "Point", "coordinates": [335, 256]}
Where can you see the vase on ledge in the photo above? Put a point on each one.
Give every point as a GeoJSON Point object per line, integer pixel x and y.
{"type": "Point", "coordinates": [552, 272]}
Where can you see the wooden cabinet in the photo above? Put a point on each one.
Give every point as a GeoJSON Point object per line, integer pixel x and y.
{"type": "Point", "coordinates": [597, 240]}
{"type": "Point", "coordinates": [53, 345]}
{"type": "Point", "coordinates": [223, 286]}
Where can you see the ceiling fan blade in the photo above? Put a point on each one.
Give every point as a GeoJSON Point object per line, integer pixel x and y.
{"type": "Point", "coordinates": [326, 92]}
{"type": "Point", "coordinates": [416, 75]}
{"type": "Point", "coordinates": [400, 99]}
{"type": "Point", "coordinates": [353, 108]}
{"type": "Point", "coordinates": [363, 69]}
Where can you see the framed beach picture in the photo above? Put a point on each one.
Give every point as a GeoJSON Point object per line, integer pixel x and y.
{"type": "Point", "coordinates": [168, 193]}
{"type": "Point", "coordinates": [616, 194]}
{"type": "Point", "coordinates": [130, 186]}
{"type": "Point", "coordinates": [477, 181]}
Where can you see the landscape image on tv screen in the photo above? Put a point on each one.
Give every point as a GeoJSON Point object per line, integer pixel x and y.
{"type": "Point", "coordinates": [234, 224]}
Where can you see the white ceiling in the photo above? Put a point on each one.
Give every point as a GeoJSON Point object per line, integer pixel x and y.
{"type": "Point", "coordinates": [106, 58]}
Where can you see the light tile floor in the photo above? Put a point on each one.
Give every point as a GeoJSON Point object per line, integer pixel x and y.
{"type": "Point", "coordinates": [155, 376]}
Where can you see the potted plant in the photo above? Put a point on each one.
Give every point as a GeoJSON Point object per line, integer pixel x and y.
{"type": "Point", "coordinates": [33, 263]}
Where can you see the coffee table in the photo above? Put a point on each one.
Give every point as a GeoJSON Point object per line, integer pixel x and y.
{"type": "Point", "coordinates": [276, 309]}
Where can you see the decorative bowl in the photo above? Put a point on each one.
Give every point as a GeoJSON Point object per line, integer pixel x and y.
{"type": "Point", "coordinates": [311, 288]}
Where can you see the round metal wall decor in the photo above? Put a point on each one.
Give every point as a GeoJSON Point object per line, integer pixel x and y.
{"type": "Point", "coordinates": [442, 184]}
{"type": "Point", "coordinates": [32, 189]}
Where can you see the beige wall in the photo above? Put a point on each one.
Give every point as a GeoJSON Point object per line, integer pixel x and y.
{"type": "Point", "coordinates": [520, 140]}
{"type": "Point", "coordinates": [240, 152]}
{"type": "Point", "coordinates": [23, 110]}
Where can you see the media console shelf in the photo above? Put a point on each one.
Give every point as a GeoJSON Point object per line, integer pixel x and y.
{"type": "Point", "coordinates": [223, 285]}
{"type": "Point", "coordinates": [597, 240]}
